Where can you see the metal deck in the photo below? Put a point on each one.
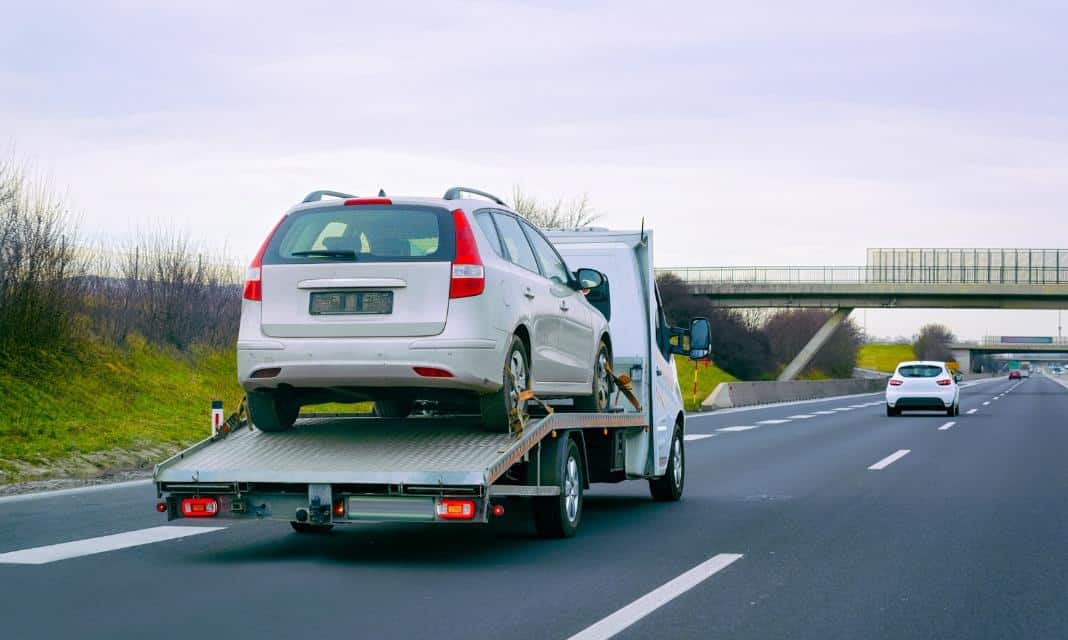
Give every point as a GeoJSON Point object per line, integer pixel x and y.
{"type": "Point", "coordinates": [445, 451]}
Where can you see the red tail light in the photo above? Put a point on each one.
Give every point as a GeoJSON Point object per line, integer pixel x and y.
{"type": "Point", "coordinates": [253, 282]}
{"type": "Point", "coordinates": [945, 382]}
{"type": "Point", "coordinates": [449, 509]}
{"type": "Point", "coordinates": [356, 201]}
{"type": "Point", "coordinates": [468, 274]}
{"type": "Point", "coordinates": [895, 383]}
{"type": "Point", "coordinates": [199, 507]}
{"type": "Point", "coordinates": [432, 372]}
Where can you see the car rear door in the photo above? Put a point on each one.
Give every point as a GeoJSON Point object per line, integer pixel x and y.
{"type": "Point", "coordinates": [358, 271]}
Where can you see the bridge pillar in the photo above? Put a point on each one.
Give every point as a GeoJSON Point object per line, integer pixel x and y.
{"type": "Point", "coordinates": [964, 359]}
{"type": "Point", "coordinates": [801, 360]}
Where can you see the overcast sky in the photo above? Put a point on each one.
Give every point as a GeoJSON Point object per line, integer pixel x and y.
{"type": "Point", "coordinates": [744, 133]}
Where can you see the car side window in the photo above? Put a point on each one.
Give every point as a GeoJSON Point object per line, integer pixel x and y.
{"type": "Point", "coordinates": [514, 240]}
{"type": "Point", "coordinates": [490, 231]}
{"type": "Point", "coordinates": [552, 265]}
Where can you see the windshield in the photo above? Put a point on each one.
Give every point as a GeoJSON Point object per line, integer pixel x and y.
{"type": "Point", "coordinates": [920, 371]}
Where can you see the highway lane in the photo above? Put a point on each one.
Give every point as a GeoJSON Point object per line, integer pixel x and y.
{"type": "Point", "coordinates": [960, 537]}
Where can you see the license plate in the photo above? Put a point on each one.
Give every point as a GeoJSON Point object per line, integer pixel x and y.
{"type": "Point", "coordinates": [351, 302]}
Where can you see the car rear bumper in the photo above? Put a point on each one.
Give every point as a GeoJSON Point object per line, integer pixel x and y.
{"type": "Point", "coordinates": [925, 400]}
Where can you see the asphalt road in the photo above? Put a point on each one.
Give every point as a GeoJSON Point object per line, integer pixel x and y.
{"type": "Point", "coordinates": [962, 537]}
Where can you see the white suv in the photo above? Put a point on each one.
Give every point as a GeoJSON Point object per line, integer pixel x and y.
{"type": "Point", "coordinates": [453, 300]}
{"type": "Point", "coordinates": [922, 385]}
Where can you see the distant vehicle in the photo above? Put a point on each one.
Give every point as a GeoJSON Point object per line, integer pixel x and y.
{"type": "Point", "coordinates": [922, 385]}
{"type": "Point", "coordinates": [454, 300]}
{"type": "Point", "coordinates": [1025, 369]}
{"type": "Point", "coordinates": [1015, 375]}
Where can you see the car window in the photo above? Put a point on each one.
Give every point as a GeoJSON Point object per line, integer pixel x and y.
{"type": "Point", "coordinates": [663, 332]}
{"type": "Point", "coordinates": [515, 242]}
{"type": "Point", "coordinates": [553, 266]}
{"type": "Point", "coordinates": [490, 230]}
{"type": "Point", "coordinates": [920, 371]}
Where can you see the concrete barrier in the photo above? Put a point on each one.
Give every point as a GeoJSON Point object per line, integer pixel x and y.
{"type": "Point", "coordinates": [744, 394]}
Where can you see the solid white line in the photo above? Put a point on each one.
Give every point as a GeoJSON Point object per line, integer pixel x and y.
{"type": "Point", "coordinates": [889, 460]}
{"type": "Point", "coordinates": [697, 436]}
{"type": "Point", "coordinates": [857, 406]}
{"type": "Point", "coordinates": [970, 411]}
{"type": "Point", "coordinates": [775, 405]}
{"type": "Point", "coordinates": [650, 602]}
{"type": "Point", "coordinates": [773, 422]}
{"type": "Point", "coordinates": [22, 497]}
{"type": "Point", "coordinates": [946, 426]}
{"type": "Point", "coordinates": [842, 409]}
{"type": "Point", "coordinates": [89, 546]}
{"type": "Point", "coordinates": [801, 416]}
{"type": "Point", "coordinates": [745, 428]}
{"type": "Point", "coordinates": [823, 413]}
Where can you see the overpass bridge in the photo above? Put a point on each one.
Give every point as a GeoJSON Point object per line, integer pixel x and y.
{"type": "Point", "coordinates": [1046, 348]}
{"type": "Point", "coordinates": [891, 278]}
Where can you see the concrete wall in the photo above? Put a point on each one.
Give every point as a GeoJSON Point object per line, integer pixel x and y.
{"type": "Point", "coordinates": [743, 394]}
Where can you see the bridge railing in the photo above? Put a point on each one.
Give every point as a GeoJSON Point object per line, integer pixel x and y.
{"type": "Point", "coordinates": [1035, 275]}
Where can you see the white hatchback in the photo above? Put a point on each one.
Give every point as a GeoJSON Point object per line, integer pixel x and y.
{"type": "Point", "coordinates": [922, 385]}
{"type": "Point", "coordinates": [456, 301]}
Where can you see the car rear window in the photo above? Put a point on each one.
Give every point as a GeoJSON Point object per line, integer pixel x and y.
{"type": "Point", "coordinates": [362, 233]}
{"type": "Point", "coordinates": [920, 371]}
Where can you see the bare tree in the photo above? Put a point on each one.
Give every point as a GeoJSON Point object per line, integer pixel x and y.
{"type": "Point", "coordinates": [933, 342]}
{"type": "Point", "coordinates": [561, 214]}
{"type": "Point", "coordinates": [788, 332]}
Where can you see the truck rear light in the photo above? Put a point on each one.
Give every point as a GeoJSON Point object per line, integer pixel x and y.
{"type": "Point", "coordinates": [358, 201]}
{"type": "Point", "coordinates": [161, 507]}
{"type": "Point", "coordinates": [339, 509]}
{"type": "Point", "coordinates": [895, 383]}
{"type": "Point", "coordinates": [199, 507]}
{"type": "Point", "coordinates": [432, 372]}
{"type": "Point", "coordinates": [449, 509]}
{"type": "Point", "coordinates": [254, 275]}
{"type": "Point", "coordinates": [944, 383]}
{"type": "Point", "coordinates": [468, 274]}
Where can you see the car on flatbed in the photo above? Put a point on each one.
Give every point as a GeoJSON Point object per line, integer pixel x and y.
{"type": "Point", "coordinates": [922, 385]}
{"type": "Point", "coordinates": [456, 301]}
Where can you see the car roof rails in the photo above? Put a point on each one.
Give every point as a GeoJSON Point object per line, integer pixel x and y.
{"type": "Point", "coordinates": [316, 196]}
{"type": "Point", "coordinates": [454, 194]}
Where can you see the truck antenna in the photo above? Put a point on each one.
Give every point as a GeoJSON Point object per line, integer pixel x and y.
{"type": "Point", "coordinates": [642, 235]}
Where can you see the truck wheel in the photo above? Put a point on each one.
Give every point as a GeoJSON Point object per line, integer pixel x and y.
{"type": "Point", "coordinates": [496, 408]}
{"type": "Point", "coordinates": [307, 527]}
{"type": "Point", "coordinates": [393, 407]}
{"type": "Point", "coordinates": [668, 488]}
{"type": "Point", "coordinates": [559, 516]}
{"type": "Point", "coordinates": [601, 393]}
{"type": "Point", "coordinates": [270, 411]}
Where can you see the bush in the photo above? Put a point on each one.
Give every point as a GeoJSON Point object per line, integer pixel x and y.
{"type": "Point", "coordinates": [788, 332]}
{"type": "Point", "coordinates": [933, 342]}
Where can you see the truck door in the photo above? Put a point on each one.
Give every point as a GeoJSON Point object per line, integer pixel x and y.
{"type": "Point", "coordinates": [667, 400]}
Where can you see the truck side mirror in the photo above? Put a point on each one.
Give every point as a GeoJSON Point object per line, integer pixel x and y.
{"type": "Point", "coordinates": [589, 278]}
{"type": "Point", "coordinates": [700, 339]}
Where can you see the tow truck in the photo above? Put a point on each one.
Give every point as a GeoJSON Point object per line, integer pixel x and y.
{"type": "Point", "coordinates": [344, 469]}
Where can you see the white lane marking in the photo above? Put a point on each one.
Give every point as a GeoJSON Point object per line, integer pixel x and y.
{"type": "Point", "coordinates": [76, 490]}
{"type": "Point", "coordinates": [775, 405]}
{"type": "Point", "coordinates": [987, 403]}
{"type": "Point", "coordinates": [90, 546]}
{"type": "Point", "coordinates": [889, 460]}
{"type": "Point", "coordinates": [697, 436]}
{"type": "Point", "coordinates": [801, 416]}
{"type": "Point", "coordinates": [773, 422]}
{"type": "Point", "coordinates": [745, 428]}
{"type": "Point", "coordinates": [970, 411]}
{"type": "Point", "coordinates": [823, 413]}
{"type": "Point", "coordinates": [650, 602]}
{"type": "Point", "coordinates": [857, 406]}
{"type": "Point", "coordinates": [842, 409]}
{"type": "Point", "coordinates": [946, 426]}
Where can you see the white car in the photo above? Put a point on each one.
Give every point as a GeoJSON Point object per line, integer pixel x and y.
{"type": "Point", "coordinates": [922, 385]}
{"type": "Point", "coordinates": [454, 300]}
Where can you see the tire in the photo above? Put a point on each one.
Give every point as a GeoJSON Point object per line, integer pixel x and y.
{"type": "Point", "coordinates": [560, 516]}
{"type": "Point", "coordinates": [307, 527]}
{"type": "Point", "coordinates": [270, 411]}
{"type": "Point", "coordinates": [601, 389]}
{"type": "Point", "coordinates": [889, 411]}
{"type": "Point", "coordinates": [668, 488]}
{"type": "Point", "coordinates": [956, 408]}
{"type": "Point", "coordinates": [952, 411]}
{"type": "Point", "coordinates": [496, 408]}
{"type": "Point", "coordinates": [393, 407]}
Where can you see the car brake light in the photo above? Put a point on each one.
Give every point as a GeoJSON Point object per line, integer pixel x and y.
{"type": "Point", "coordinates": [356, 201]}
{"type": "Point", "coordinates": [199, 507]}
{"type": "Point", "coordinates": [432, 372]}
{"type": "Point", "coordinates": [456, 509]}
{"type": "Point", "coordinates": [895, 383]}
{"type": "Point", "coordinates": [468, 274]}
{"type": "Point", "coordinates": [945, 382]}
{"type": "Point", "coordinates": [253, 281]}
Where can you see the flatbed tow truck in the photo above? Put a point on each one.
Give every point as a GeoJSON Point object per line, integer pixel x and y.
{"type": "Point", "coordinates": [343, 469]}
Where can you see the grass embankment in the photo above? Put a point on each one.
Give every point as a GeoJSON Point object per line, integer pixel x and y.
{"type": "Point", "coordinates": [884, 357]}
{"type": "Point", "coordinates": [708, 376]}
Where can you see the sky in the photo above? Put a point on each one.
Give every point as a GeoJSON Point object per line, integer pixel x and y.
{"type": "Point", "coordinates": [777, 133]}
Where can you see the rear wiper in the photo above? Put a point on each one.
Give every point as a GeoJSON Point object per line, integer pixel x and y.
{"type": "Point", "coordinates": [327, 253]}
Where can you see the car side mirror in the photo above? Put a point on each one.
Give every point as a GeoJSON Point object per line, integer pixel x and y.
{"type": "Point", "coordinates": [700, 339]}
{"type": "Point", "coordinates": [957, 377]}
{"type": "Point", "coordinates": [589, 278]}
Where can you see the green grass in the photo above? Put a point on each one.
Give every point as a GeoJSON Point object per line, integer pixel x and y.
{"type": "Point", "coordinates": [883, 357]}
{"type": "Point", "coordinates": [708, 376]}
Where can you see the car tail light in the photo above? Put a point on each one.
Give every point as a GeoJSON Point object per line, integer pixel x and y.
{"type": "Point", "coordinates": [358, 201]}
{"type": "Point", "coordinates": [895, 383]}
{"type": "Point", "coordinates": [945, 382]}
{"type": "Point", "coordinates": [432, 372]}
{"type": "Point", "coordinates": [199, 507]}
{"type": "Point", "coordinates": [468, 274]}
{"type": "Point", "coordinates": [253, 281]}
{"type": "Point", "coordinates": [456, 509]}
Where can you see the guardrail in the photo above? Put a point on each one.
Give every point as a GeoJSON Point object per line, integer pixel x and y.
{"type": "Point", "coordinates": [871, 275]}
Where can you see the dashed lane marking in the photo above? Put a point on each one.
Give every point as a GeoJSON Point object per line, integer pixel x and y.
{"type": "Point", "coordinates": [697, 436]}
{"type": "Point", "coordinates": [986, 404]}
{"type": "Point", "coordinates": [742, 428]}
{"type": "Point", "coordinates": [801, 416]}
{"type": "Point", "coordinates": [946, 426]}
{"type": "Point", "coordinates": [823, 413]}
{"type": "Point", "coordinates": [889, 460]}
{"type": "Point", "coordinates": [970, 411]}
{"type": "Point", "coordinates": [90, 546]}
{"type": "Point", "coordinates": [773, 422]}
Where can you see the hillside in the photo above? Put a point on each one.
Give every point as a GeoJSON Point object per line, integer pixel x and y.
{"type": "Point", "coordinates": [708, 376]}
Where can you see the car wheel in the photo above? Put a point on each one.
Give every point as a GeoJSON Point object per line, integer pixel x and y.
{"type": "Point", "coordinates": [668, 488]}
{"type": "Point", "coordinates": [498, 408]}
{"type": "Point", "coordinates": [952, 411]}
{"type": "Point", "coordinates": [956, 409]}
{"type": "Point", "coordinates": [307, 527]}
{"type": "Point", "coordinates": [271, 411]}
{"type": "Point", "coordinates": [393, 407]}
{"type": "Point", "coordinates": [890, 411]}
{"type": "Point", "coordinates": [601, 392]}
{"type": "Point", "coordinates": [559, 516]}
